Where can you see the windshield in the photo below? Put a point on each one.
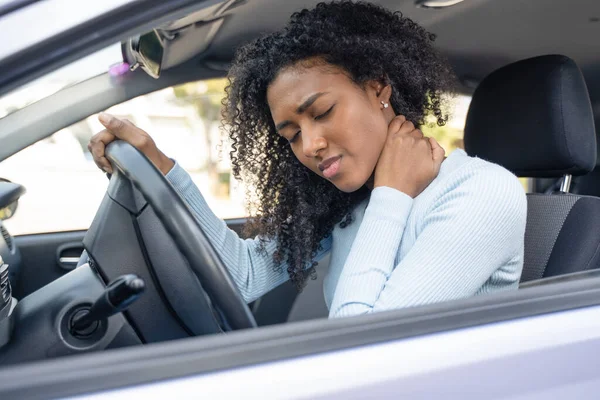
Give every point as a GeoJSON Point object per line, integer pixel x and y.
{"type": "Point", "coordinates": [73, 73]}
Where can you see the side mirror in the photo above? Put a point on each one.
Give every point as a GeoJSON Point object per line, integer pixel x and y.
{"type": "Point", "coordinates": [9, 198]}
{"type": "Point", "coordinates": [8, 211]}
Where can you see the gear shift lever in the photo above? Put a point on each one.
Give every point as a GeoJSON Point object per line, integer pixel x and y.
{"type": "Point", "coordinates": [119, 295]}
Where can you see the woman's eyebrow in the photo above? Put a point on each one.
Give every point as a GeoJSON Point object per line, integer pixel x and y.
{"type": "Point", "coordinates": [301, 108]}
{"type": "Point", "coordinates": [308, 102]}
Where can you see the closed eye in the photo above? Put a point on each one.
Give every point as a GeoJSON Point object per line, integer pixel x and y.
{"type": "Point", "coordinates": [293, 139]}
{"type": "Point", "coordinates": [326, 113]}
{"type": "Point", "coordinates": [317, 118]}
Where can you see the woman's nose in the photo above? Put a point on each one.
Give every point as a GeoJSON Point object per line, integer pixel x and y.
{"type": "Point", "coordinates": [313, 143]}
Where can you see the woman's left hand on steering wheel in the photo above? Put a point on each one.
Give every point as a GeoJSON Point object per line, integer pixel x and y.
{"type": "Point", "coordinates": [125, 130]}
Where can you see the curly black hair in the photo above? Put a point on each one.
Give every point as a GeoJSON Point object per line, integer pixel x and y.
{"type": "Point", "coordinates": [292, 204]}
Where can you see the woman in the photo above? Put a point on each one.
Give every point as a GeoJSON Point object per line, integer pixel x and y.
{"type": "Point", "coordinates": [323, 117]}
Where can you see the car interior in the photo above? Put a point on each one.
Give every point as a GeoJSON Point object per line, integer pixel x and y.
{"type": "Point", "coordinates": [145, 273]}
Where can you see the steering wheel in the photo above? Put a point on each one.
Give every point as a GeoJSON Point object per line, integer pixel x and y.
{"type": "Point", "coordinates": [184, 230]}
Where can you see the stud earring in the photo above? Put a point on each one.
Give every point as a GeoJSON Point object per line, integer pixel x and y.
{"type": "Point", "coordinates": [385, 105]}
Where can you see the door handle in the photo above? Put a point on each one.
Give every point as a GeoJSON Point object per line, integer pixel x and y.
{"type": "Point", "coordinates": [67, 255]}
{"type": "Point", "coordinates": [68, 263]}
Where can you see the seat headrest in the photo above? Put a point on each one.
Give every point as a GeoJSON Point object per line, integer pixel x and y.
{"type": "Point", "coordinates": [535, 118]}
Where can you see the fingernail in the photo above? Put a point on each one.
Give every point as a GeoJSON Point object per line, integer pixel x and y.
{"type": "Point", "coordinates": [104, 118]}
{"type": "Point", "coordinates": [107, 170]}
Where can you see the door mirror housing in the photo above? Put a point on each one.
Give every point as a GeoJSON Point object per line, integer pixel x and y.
{"type": "Point", "coordinates": [9, 198]}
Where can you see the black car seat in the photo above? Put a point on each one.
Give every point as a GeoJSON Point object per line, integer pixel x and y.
{"type": "Point", "coordinates": [589, 184]}
{"type": "Point", "coordinates": [534, 117]}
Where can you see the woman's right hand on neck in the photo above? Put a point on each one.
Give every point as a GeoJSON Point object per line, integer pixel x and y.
{"type": "Point", "coordinates": [409, 161]}
{"type": "Point", "coordinates": [116, 128]}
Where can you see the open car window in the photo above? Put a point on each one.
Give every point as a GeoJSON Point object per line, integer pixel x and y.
{"type": "Point", "coordinates": [65, 187]}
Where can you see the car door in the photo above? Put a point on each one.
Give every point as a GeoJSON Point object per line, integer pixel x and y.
{"type": "Point", "coordinates": [537, 343]}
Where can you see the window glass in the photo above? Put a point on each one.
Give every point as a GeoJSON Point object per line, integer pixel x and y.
{"type": "Point", "coordinates": [65, 188]}
{"type": "Point", "coordinates": [450, 136]}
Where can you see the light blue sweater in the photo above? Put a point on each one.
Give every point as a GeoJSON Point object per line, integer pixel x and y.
{"type": "Point", "coordinates": [462, 236]}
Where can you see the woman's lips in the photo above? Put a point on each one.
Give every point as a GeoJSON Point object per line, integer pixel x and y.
{"type": "Point", "coordinates": [330, 167]}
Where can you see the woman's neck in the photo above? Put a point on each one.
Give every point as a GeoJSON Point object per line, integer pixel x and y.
{"type": "Point", "coordinates": [370, 182]}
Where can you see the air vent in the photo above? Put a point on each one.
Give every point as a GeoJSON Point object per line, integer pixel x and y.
{"type": "Point", "coordinates": [7, 238]}
{"type": "Point", "coordinates": [5, 290]}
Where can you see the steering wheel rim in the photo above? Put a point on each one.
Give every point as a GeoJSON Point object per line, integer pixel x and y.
{"type": "Point", "coordinates": [186, 232]}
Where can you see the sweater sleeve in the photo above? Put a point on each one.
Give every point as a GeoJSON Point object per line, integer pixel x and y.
{"type": "Point", "coordinates": [253, 271]}
{"type": "Point", "coordinates": [468, 233]}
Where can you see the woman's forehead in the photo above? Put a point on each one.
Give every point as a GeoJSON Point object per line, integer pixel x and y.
{"type": "Point", "coordinates": [293, 85]}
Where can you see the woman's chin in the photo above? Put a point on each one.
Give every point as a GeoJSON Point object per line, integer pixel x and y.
{"type": "Point", "coordinates": [349, 186]}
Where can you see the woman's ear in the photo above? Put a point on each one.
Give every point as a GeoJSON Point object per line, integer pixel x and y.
{"type": "Point", "coordinates": [381, 93]}
{"type": "Point", "coordinates": [385, 93]}
{"type": "Point", "coordinates": [380, 90]}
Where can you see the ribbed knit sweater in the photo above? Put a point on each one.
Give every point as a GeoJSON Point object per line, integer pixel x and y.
{"type": "Point", "coordinates": [462, 236]}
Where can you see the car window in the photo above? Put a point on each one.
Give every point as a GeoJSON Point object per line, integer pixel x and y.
{"type": "Point", "coordinates": [450, 136]}
{"type": "Point", "coordinates": [65, 188]}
